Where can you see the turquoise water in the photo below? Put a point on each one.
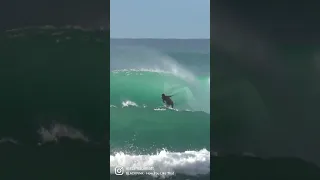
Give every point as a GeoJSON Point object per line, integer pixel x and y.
{"type": "Point", "coordinates": [145, 87]}
{"type": "Point", "coordinates": [142, 129]}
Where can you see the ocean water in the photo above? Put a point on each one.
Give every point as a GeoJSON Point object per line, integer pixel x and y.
{"type": "Point", "coordinates": [53, 84]}
{"type": "Point", "coordinates": [54, 100]}
{"type": "Point", "coordinates": [174, 142]}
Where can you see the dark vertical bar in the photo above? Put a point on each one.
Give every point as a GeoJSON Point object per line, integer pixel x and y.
{"type": "Point", "coordinates": [54, 94]}
{"type": "Point", "coordinates": [265, 90]}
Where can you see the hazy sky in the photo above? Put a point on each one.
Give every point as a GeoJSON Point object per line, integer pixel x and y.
{"type": "Point", "coordinates": [160, 19]}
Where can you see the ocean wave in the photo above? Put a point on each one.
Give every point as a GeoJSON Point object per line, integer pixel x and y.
{"type": "Point", "coordinates": [143, 131]}
{"type": "Point", "coordinates": [145, 86]}
{"type": "Point", "coordinates": [46, 81]}
{"type": "Point", "coordinates": [148, 129]}
{"type": "Point", "coordinates": [57, 131]}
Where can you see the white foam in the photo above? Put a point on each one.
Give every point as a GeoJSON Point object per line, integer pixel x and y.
{"type": "Point", "coordinates": [164, 108]}
{"type": "Point", "coordinates": [139, 70]}
{"type": "Point", "coordinates": [159, 109]}
{"type": "Point", "coordinates": [113, 106]}
{"type": "Point", "coordinates": [190, 163]}
{"type": "Point", "coordinates": [173, 109]}
{"type": "Point", "coordinates": [173, 72]}
{"type": "Point", "coordinates": [129, 103]}
{"type": "Point", "coordinates": [57, 131]}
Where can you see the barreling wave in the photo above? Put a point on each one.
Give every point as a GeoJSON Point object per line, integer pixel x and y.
{"type": "Point", "coordinates": [145, 86]}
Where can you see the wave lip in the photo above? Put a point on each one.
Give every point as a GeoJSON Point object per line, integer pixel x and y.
{"type": "Point", "coordinates": [191, 163]}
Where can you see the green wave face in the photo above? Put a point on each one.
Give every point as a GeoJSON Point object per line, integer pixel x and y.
{"type": "Point", "coordinates": [146, 125]}
{"type": "Point", "coordinates": [142, 129]}
{"type": "Point", "coordinates": [145, 89]}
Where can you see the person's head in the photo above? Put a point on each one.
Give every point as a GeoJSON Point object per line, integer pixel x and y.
{"type": "Point", "coordinates": [163, 95]}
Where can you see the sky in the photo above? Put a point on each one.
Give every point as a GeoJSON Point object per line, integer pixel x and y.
{"type": "Point", "coordinates": [182, 19]}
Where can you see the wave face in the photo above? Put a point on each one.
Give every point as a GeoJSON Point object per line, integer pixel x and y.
{"type": "Point", "coordinates": [53, 84]}
{"type": "Point", "coordinates": [145, 88]}
{"type": "Point", "coordinates": [143, 131]}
